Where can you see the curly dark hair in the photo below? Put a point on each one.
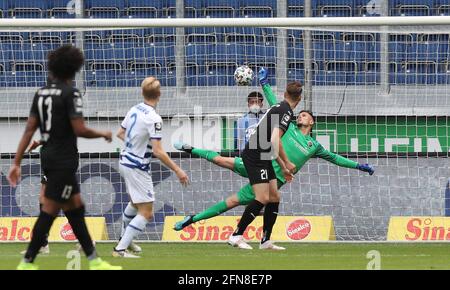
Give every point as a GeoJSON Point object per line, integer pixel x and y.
{"type": "Point", "coordinates": [65, 61]}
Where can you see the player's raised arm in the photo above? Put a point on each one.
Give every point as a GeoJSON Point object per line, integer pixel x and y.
{"type": "Point", "coordinates": [264, 81]}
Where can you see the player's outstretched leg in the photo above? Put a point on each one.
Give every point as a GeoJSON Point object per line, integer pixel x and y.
{"type": "Point", "coordinates": [202, 153]}
{"type": "Point", "coordinates": [210, 212]}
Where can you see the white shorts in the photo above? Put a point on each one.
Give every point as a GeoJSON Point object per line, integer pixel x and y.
{"type": "Point", "coordinates": [139, 184]}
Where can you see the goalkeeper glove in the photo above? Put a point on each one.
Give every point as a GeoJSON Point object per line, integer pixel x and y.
{"type": "Point", "coordinates": [262, 76]}
{"type": "Point", "coordinates": [366, 168]}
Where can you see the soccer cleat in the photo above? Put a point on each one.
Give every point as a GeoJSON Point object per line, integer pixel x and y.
{"type": "Point", "coordinates": [183, 223]}
{"type": "Point", "coordinates": [42, 251]}
{"type": "Point", "coordinates": [182, 146]}
{"type": "Point", "coordinates": [27, 266]}
{"type": "Point", "coordinates": [134, 248]}
{"type": "Point", "coordinates": [99, 264]}
{"type": "Point", "coordinates": [238, 241]}
{"type": "Point", "coordinates": [123, 254]}
{"type": "Point", "coordinates": [269, 245]}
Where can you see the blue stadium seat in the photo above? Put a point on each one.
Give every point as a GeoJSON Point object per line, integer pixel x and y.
{"type": "Point", "coordinates": [105, 73]}
{"type": "Point", "coordinates": [223, 9]}
{"type": "Point", "coordinates": [144, 68]}
{"type": "Point", "coordinates": [162, 39]}
{"type": "Point", "coordinates": [296, 11]}
{"type": "Point", "coordinates": [443, 9]}
{"type": "Point", "coordinates": [58, 9]}
{"type": "Point", "coordinates": [205, 38]}
{"type": "Point", "coordinates": [28, 74]}
{"type": "Point", "coordinates": [241, 53]}
{"type": "Point", "coordinates": [142, 12]}
{"type": "Point", "coordinates": [420, 72]}
{"type": "Point", "coordinates": [189, 12]}
{"type": "Point", "coordinates": [201, 53]}
{"type": "Point", "coordinates": [432, 51]}
{"type": "Point", "coordinates": [52, 40]}
{"type": "Point", "coordinates": [257, 11]}
{"type": "Point", "coordinates": [340, 72]}
{"type": "Point", "coordinates": [28, 8]}
{"type": "Point", "coordinates": [105, 8]}
{"type": "Point", "coordinates": [220, 73]}
{"type": "Point", "coordinates": [324, 8]}
{"type": "Point", "coordinates": [410, 7]}
{"type": "Point", "coordinates": [194, 77]}
{"type": "Point", "coordinates": [296, 70]}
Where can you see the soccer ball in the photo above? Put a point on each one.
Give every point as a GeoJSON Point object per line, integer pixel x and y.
{"type": "Point", "coordinates": [243, 75]}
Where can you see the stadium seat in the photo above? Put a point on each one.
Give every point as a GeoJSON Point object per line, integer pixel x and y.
{"type": "Point", "coordinates": [220, 73]}
{"type": "Point", "coordinates": [28, 74]}
{"type": "Point", "coordinates": [257, 11]}
{"type": "Point", "coordinates": [340, 72]}
{"type": "Point", "coordinates": [142, 12]}
{"type": "Point", "coordinates": [27, 9]}
{"type": "Point", "coordinates": [104, 8]}
{"type": "Point", "coordinates": [296, 11]}
{"type": "Point", "coordinates": [58, 9]}
{"type": "Point", "coordinates": [411, 7]}
{"type": "Point", "coordinates": [336, 11]}
{"type": "Point", "coordinates": [201, 53]}
{"type": "Point", "coordinates": [296, 70]}
{"type": "Point", "coordinates": [420, 72]}
{"type": "Point", "coordinates": [432, 51]}
{"type": "Point", "coordinates": [104, 73]}
{"type": "Point", "coordinates": [443, 10]}
{"type": "Point", "coordinates": [206, 38]}
{"type": "Point", "coordinates": [193, 74]}
{"type": "Point", "coordinates": [53, 40]}
{"type": "Point", "coordinates": [216, 9]}
{"type": "Point", "coordinates": [162, 39]}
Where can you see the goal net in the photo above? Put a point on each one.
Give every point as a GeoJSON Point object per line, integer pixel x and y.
{"type": "Point", "coordinates": [380, 95]}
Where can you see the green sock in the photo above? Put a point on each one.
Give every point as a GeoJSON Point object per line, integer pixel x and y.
{"type": "Point", "coordinates": [213, 211]}
{"type": "Point", "coordinates": [206, 154]}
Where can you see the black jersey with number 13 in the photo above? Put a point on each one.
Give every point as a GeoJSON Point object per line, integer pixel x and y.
{"type": "Point", "coordinates": [55, 105]}
{"type": "Point", "coordinates": [278, 116]}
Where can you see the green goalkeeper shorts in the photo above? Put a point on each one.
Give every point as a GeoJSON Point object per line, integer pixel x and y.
{"type": "Point", "coordinates": [246, 193]}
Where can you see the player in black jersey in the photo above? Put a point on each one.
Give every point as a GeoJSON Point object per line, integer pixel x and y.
{"type": "Point", "coordinates": [57, 112]}
{"type": "Point", "coordinates": [264, 146]}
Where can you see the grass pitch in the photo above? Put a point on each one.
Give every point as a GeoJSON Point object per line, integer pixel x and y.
{"type": "Point", "coordinates": [176, 256]}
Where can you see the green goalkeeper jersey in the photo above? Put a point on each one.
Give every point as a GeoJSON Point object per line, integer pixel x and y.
{"type": "Point", "coordinates": [300, 148]}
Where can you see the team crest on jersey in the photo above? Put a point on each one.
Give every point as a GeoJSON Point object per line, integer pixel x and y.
{"type": "Point", "coordinates": [310, 144]}
{"type": "Point", "coordinates": [158, 126]}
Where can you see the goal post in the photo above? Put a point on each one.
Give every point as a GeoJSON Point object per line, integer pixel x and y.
{"type": "Point", "coordinates": [403, 130]}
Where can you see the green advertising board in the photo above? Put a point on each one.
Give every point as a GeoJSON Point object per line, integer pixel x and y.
{"type": "Point", "coordinates": [374, 134]}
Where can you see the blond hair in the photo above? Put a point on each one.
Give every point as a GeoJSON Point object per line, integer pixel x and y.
{"type": "Point", "coordinates": [151, 88]}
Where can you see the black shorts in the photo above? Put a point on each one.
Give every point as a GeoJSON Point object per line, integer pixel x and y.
{"type": "Point", "coordinates": [62, 184]}
{"type": "Point", "coordinates": [259, 171]}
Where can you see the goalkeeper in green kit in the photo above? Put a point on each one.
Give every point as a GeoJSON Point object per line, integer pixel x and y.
{"type": "Point", "coordinates": [299, 147]}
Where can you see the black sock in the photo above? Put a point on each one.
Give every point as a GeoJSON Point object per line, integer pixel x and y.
{"type": "Point", "coordinates": [251, 212]}
{"type": "Point", "coordinates": [270, 217]}
{"type": "Point", "coordinates": [40, 232]}
{"type": "Point", "coordinates": [78, 224]}
{"type": "Point", "coordinates": [45, 243]}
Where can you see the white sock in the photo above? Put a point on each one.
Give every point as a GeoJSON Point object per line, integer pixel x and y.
{"type": "Point", "coordinates": [134, 228]}
{"type": "Point", "coordinates": [128, 214]}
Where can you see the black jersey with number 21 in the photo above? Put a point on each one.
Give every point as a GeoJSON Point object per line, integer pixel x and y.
{"type": "Point", "coordinates": [55, 105]}
{"type": "Point", "coordinates": [278, 116]}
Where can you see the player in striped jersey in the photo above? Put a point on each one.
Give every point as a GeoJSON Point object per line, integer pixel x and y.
{"type": "Point", "coordinates": [141, 131]}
